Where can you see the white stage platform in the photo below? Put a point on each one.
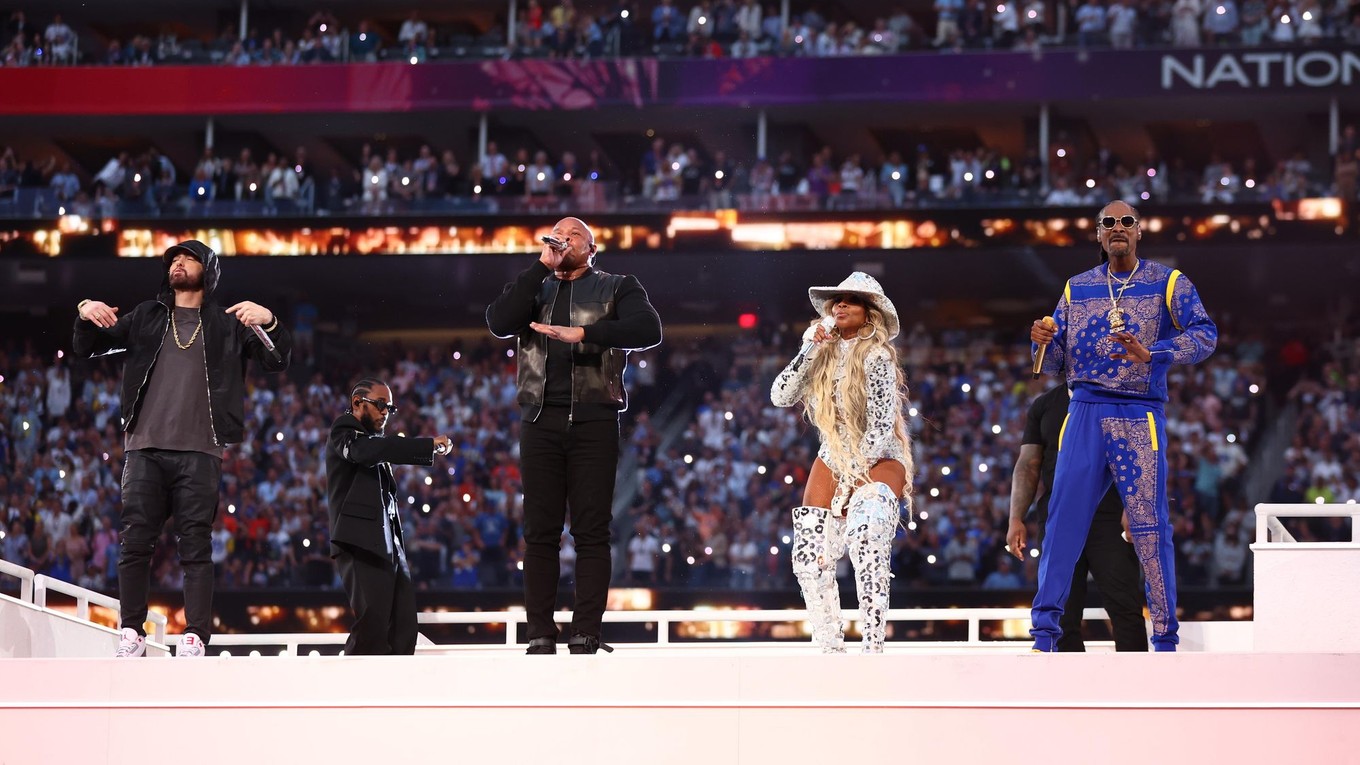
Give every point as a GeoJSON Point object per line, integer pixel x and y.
{"type": "Point", "coordinates": [687, 705]}
{"type": "Point", "coordinates": [1282, 689]}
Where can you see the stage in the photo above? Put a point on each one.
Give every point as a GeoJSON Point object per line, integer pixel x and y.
{"type": "Point", "coordinates": [687, 705]}
{"type": "Point", "coordinates": [1283, 688]}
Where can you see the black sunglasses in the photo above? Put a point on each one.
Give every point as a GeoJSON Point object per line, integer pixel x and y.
{"type": "Point", "coordinates": [1127, 221]}
{"type": "Point", "coordinates": [847, 299]}
{"type": "Point", "coordinates": [381, 406]}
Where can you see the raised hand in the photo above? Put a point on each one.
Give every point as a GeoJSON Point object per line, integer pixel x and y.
{"type": "Point", "coordinates": [565, 334]}
{"type": "Point", "coordinates": [251, 313]}
{"type": "Point", "coordinates": [1134, 350]}
{"type": "Point", "coordinates": [100, 313]}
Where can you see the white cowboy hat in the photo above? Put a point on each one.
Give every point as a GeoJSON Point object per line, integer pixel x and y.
{"type": "Point", "coordinates": [867, 287]}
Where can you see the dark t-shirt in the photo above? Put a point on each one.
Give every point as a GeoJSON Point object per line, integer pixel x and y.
{"type": "Point", "coordinates": [557, 385]}
{"type": "Point", "coordinates": [174, 412]}
{"type": "Point", "coordinates": [1042, 426]}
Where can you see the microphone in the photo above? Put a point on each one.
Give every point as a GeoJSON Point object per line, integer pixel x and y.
{"type": "Point", "coordinates": [827, 323]}
{"type": "Point", "coordinates": [1039, 357]}
{"type": "Point", "coordinates": [556, 244]}
{"type": "Point", "coordinates": [268, 344]}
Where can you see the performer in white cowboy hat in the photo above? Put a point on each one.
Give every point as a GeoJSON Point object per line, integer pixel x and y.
{"type": "Point", "coordinates": [852, 388]}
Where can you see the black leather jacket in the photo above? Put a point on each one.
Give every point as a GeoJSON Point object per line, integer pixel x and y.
{"type": "Point", "coordinates": [616, 316]}
{"type": "Point", "coordinates": [228, 344]}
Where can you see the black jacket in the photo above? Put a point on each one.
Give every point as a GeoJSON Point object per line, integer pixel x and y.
{"type": "Point", "coordinates": [615, 314]}
{"type": "Point", "coordinates": [227, 342]}
{"type": "Point", "coordinates": [358, 468]}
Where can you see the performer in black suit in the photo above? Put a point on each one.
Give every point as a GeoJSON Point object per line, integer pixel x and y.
{"type": "Point", "coordinates": [366, 538]}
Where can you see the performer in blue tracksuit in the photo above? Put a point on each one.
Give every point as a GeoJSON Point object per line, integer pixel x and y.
{"type": "Point", "coordinates": [1118, 328]}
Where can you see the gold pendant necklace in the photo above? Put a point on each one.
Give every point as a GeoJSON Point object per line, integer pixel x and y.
{"type": "Point", "coordinates": [174, 327]}
{"type": "Point", "coordinates": [1115, 316]}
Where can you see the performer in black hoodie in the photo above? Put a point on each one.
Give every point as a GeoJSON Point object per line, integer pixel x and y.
{"type": "Point", "coordinates": [366, 537]}
{"type": "Point", "coordinates": [182, 404]}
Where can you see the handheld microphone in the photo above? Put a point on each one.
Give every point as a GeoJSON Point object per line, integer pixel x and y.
{"type": "Point", "coordinates": [268, 344]}
{"type": "Point", "coordinates": [828, 322]}
{"type": "Point", "coordinates": [1039, 357]}
{"type": "Point", "coordinates": [556, 244]}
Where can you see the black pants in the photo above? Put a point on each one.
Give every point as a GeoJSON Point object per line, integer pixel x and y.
{"type": "Point", "coordinates": [156, 485]}
{"type": "Point", "coordinates": [567, 465]}
{"type": "Point", "coordinates": [384, 604]}
{"type": "Point", "coordinates": [1114, 564]}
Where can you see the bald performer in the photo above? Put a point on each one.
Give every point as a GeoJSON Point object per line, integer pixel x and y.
{"type": "Point", "coordinates": [574, 327]}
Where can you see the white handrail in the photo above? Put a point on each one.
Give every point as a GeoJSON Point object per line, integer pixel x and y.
{"type": "Point", "coordinates": [663, 621]}
{"type": "Point", "coordinates": [24, 575]}
{"type": "Point", "coordinates": [84, 597]}
{"type": "Point", "coordinates": [1267, 519]}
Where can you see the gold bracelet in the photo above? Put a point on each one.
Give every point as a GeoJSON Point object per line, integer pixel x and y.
{"type": "Point", "coordinates": [273, 326]}
{"type": "Point", "coordinates": [80, 306]}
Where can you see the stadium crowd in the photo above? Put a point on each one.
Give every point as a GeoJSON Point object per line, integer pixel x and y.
{"type": "Point", "coordinates": [707, 28]}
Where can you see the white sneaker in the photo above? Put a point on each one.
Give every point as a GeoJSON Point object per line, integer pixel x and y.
{"type": "Point", "coordinates": [131, 644]}
{"type": "Point", "coordinates": [190, 646]}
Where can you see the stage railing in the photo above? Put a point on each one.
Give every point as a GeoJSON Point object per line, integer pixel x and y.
{"type": "Point", "coordinates": [24, 575]}
{"type": "Point", "coordinates": [84, 597]}
{"type": "Point", "coordinates": [1301, 601]}
{"type": "Point", "coordinates": [663, 620]}
{"type": "Point", "coordinates": [1269, 529]}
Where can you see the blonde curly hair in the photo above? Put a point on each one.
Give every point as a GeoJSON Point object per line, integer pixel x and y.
{"type": "Point", "coordinates": [820, 404]}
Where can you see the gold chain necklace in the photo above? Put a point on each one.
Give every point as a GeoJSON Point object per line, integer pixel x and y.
{"type": "Point", "coordinates": [1115, 316]}
{"type": "Point", "coordinates": [174, 327]}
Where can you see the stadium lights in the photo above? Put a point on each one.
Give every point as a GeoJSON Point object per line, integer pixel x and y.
{"type": "Point", "coordinates": [935, 492]}
{"type": "Point", "coordinates": [429, 481]}
{"type": "Point", "coordinates": [945, 470]}
{"type": "Point", "coordinates": [930, 559]}
{"type": "Point", "coordinates": [925, 516]}
{"type": "Point", "coordinates": [996, 430]}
